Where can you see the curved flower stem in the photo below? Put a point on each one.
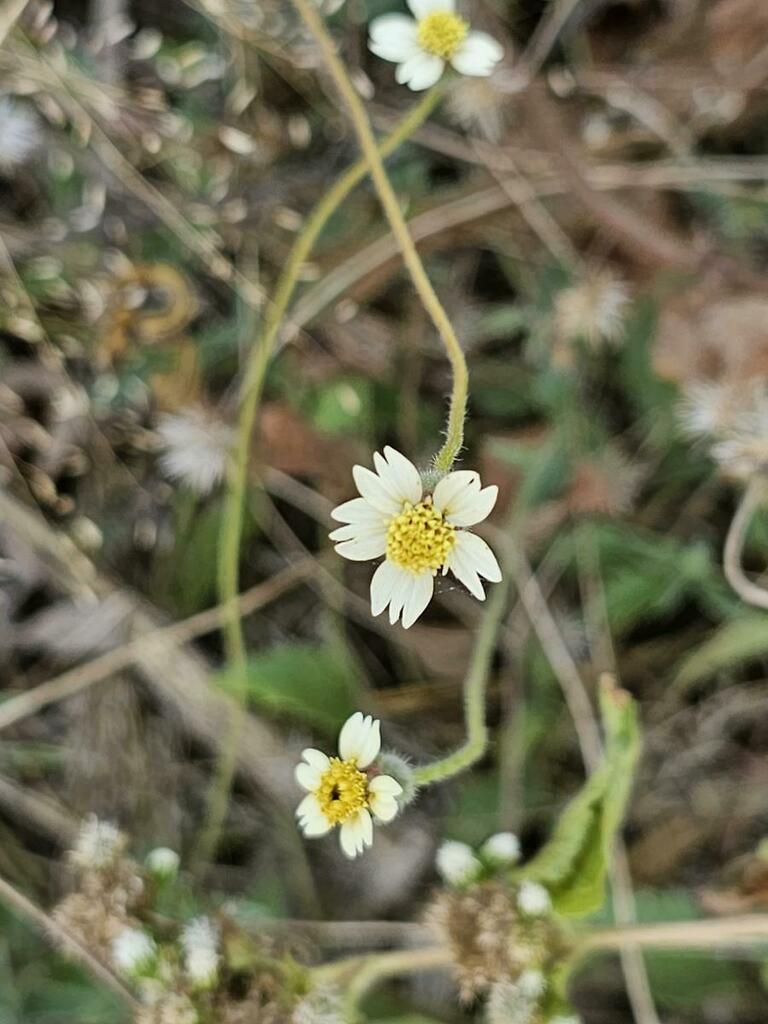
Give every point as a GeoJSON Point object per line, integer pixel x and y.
{"type": "Point", "coordinates": [454, 437]}
{"type": "Point", "coordinates": [475, 685]}
{"type": "Point", "coordinates": [253, 381]}
{"type": "Point", "coordinates": [734, 545]}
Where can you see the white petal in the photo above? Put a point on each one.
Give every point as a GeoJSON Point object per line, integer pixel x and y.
{"type": "Point", "coordinates": [307, 776]}
{"type": "Point", "coordinates": [315, 828]}
{"type": "Point", "coordinates": [406, 474]}
{"type": "Point", "coordinates": [366, 827]}
{"type": "Point", "coordinates": [316, 758]}
{"type": "Point", "coordinates": [348, 840]}
{"type": "Point", "coordinates": [363, 550]}
{"type": "Point", "coordinates": [420, 71]}
{"type": "Point", "coordinates": [462, 568]}
{"type": "Point", "coordinates": [418, 598]}
{"type": "Point", "coordinates": [384, 807]}
{"type": "Point", "coordinates": [401, 479]}
{"type": "Point", "coordinates": [385, 785]}
{"type": "Point", "coordinates": [472, 507]}
{"type": "Point", "coordinates": [478, 55]}
{"type": "Point", "coordinates": [309, 807]}
{"type": "Point", "coordinates": [452, 487]}
{"type": "Point", "coordinates": [356, 834]}
{"type": "Point", "coordinates": [312, 821]}
{"type": "Point", "coordinates": [481, 557]}
{"type": "Point", "coordinates": [358, 510]}
{"type": "Point", "coordinates": [383, 584]}
{"type": "Point", "coordinates": [400, 594]}
{"type": "Point", "coordinates": [421, 8]}
{"type": "Point", "coordinates": [359, 531]}
{"type": "Point", "coordinates": [376, 491]}
{"type": "Point", "coordinates": [360, 738]}
{"type": "Point", "coordinates": [393, 37]}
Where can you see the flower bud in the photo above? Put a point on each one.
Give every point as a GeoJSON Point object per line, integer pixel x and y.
{"type": "Point", "coordinates": [456, 863]}
{"type": "Point", "coordinates": [163, 863]}
{"type": "Point", "coordinates": [502, 849]}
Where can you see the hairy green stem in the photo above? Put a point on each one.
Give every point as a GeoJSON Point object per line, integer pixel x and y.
{"type": "Point", "coordinates": [234, 508]}
{"type": "Point", "coordinates": [475, 685]}
{"type": "Point", "coordinates": [454, 438]}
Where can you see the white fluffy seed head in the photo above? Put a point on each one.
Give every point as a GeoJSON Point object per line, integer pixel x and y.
{"type": "Point", "coordinates": [502, 848]}
{"type": "Point", "coordinates": [532, 984]}
{"type": "Point", "coordinates": [98, 844]}
{"type": "Point", "coordinates": [195, 448]}
{"type": "Point", "coordinates": [456, 863]}
{"type": "Point", "coordinates": [507, 1004]}
{"type": "Point", "coordinates": [20, 134]}
{"type": "Point", "coordinates": [133, 951]}
{"type": "Point", "coordinates": [533, 899]}
{"type": "Point", "coordinates": [593, 309]}
{"type": "Point", "coordinates": [200, 943]}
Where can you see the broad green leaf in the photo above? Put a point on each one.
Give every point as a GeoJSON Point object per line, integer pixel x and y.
{"type": "Point", "coordinates": [731, 645]}
{"type": "Point", "coordinates": [312, 684]}
{"type": "Point", "coordinates": [574, 863]}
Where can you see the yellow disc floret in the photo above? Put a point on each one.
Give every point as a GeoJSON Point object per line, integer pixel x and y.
{"type": "Point", "coordinates": [343, 791]}
{"type": "Point", "coordinates": [419, 538]}
{"type": "Point", "coordinates": [441, 33]}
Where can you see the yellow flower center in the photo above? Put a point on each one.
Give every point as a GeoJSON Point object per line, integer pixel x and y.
{"type": "Point", "coordinates": [419, 538]}
{"type": "Point", "coordinates": [441, 33]}
{"type": "Point", "coordinates": [343, 791]}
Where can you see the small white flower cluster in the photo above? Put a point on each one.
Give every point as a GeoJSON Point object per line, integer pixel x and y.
{"type": "Point", "coordinates": [458, 864]}
{"type": "Point", "coordinates": [98, 844]}
{"type": "Point", "coordinates": [436, 36]}
{"type": "Point", "coordinates": [200, 943]}
{"type": "Point", "coordinates": [735, 418]}
{"type": "Point", "coordinates": [134, 952]}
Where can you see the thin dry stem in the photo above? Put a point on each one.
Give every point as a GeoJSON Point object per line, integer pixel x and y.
{"type": "Point", "coordinates": [734, 545]}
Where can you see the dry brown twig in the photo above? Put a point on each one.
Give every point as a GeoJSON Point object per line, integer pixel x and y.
{"type": "Point", "coordinates": [77, 679]}
{"type": "Point", "coordinates": [69, 945]}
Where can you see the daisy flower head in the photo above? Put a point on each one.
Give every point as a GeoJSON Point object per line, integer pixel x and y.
{"type": "Point", "coordinates": [421, 46]}
{"type": "Point", "coordinates": [347, 790]}
{"type": "Point", "coordinates": [419, 534]}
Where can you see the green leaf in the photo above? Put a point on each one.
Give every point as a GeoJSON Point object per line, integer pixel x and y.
{"type": "Point", "coordinates": [735, 642]}
{"type": "Point", "coordinates": [311, 684]}
{"type": "Point", "coordinates": [574, 863]}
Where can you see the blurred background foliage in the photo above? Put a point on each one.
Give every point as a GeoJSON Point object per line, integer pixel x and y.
{"type": "Point", "coordinates": [156, 163]}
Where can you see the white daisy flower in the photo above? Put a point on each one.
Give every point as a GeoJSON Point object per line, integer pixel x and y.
{"type": "Point", "coordinates": [436, 36]}
{"type": "Point", "coordinates": [419, 534]}
{"type": "Point", "coordinates": [533, 899]}
{"type": "Point", "coordinates": [456, 862]}
{"type": "Point", "coordinates": [346, 790]}
{"type": "Point", "coordinates": [503, 848]}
